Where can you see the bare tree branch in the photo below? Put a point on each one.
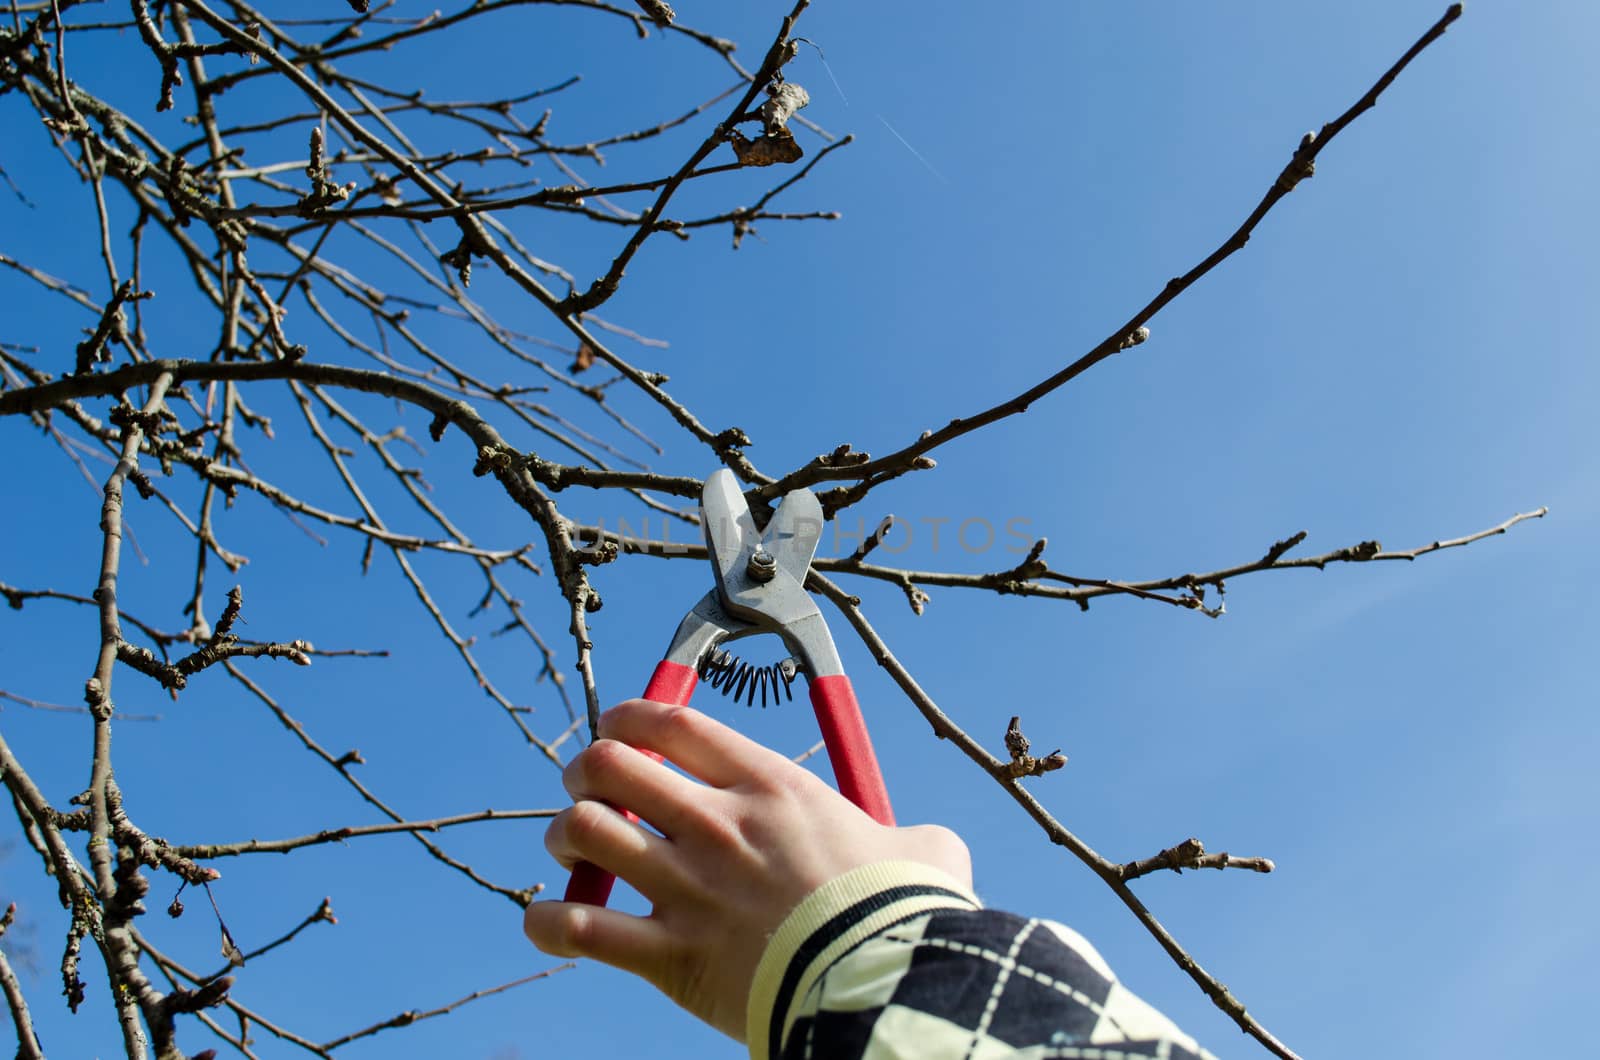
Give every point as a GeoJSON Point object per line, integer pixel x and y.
{"type": "Point", "coordinates": [28, 1046]}
{"type": "Point", "coordinates": [1133, 332]}
{"type": "Point", "coordinates": [205, 852]}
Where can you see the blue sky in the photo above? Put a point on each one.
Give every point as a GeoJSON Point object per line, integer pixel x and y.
{"type": "Point", "coordinates": [1405, 351]}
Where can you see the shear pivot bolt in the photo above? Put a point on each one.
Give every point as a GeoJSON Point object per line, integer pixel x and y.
{"type": "Point", "coordinates": [762, 567]}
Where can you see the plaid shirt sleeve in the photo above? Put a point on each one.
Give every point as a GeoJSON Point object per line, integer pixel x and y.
{"type": "Point", "coordinates": [897, 960]}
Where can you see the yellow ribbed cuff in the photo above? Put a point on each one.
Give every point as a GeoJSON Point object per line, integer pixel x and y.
{"type": "Point", "coordinates": [833, 919]}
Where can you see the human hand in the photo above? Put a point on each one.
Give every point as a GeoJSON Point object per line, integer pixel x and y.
{"type": "Point", "coordinates": [735, 855]}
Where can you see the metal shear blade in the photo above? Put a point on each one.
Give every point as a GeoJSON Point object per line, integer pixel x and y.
{"type": "Point", "coordinates": [789, 544]}
{"type": "Point", "coordinates": [743, 605]}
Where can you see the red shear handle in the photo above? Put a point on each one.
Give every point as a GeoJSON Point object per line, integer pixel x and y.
{"type": "Point", "coordinates": [671, 683]}
{"type": "Point", "coordinates": [844, 732]}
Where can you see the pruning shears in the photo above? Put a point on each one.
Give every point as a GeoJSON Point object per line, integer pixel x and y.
{"type": "Point", "coordinates": [760, 588]}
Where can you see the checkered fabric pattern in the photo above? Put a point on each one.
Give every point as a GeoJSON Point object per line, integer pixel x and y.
{"type": "Point", "coordinates": [954, 980]}
{"type": "Point", "coordinates": [977, 984]}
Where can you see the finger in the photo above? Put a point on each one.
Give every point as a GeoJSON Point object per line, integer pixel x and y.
{"type": "Point", "coordinates": [594, 832]}
{"type": "Point", "coordinates": [701, 746]}
{"type": "Point", "coordinates": [571, 929]}
{"type": "Point", "coordinates": [624, 777]}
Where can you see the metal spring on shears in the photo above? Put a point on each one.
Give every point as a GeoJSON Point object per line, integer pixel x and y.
{"type": "Point", "coordinates": [733, 677]}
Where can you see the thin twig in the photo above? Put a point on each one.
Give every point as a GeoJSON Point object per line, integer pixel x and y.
{"type": "Point", "coordinates": [207, 851]}
{"type": "Point", "coordinates": [405, 1019]}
